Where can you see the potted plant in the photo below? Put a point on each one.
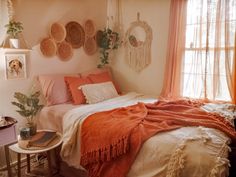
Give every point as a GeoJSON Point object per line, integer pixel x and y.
{"type": "Point", "coordinates": [13, 29]}
{"type": "Point", "coordinates": [108, 40]}
{"type": "Point", "coordinates": [28, 107]}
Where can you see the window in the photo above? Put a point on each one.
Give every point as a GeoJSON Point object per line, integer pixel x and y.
{"type": "Point", "coordinates": [209, 49]}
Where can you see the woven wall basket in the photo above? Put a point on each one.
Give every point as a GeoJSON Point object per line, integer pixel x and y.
{"type": "Point", "coordinates": [58, 32]}
{"type": "Point", "coordinates": [89, 28]}
{"type": "Point", "coordinates": [48, 47]}
{"type": "Point", "coordinates": [90, 46]}
{"type": "Point", "coordinates": [64, 51]}
{"type": "Point", "coordinates": [75, 34]}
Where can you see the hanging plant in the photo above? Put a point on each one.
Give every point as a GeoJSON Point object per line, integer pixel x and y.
{"type": "Point", "coordinates": [107, 41]}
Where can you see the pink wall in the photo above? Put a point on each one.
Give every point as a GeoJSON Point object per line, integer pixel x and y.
{"type": "Point", "coordinates": [37, 16]}
{"type": "Point", "coordinates": [149, 80]}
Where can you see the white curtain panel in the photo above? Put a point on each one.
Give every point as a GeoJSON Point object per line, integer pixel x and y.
{"type": "Point", "coordinates": [114, 16]}
{"type": "Point", "coordinates": [3, 19]}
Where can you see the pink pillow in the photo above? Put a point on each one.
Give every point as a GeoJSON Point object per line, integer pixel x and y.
{"type": "Point", "coordinates": [103, 77]}
{"type": "Point", "coordinates": [54, 89]}
{"type": "Point", "coordinates": [73, 83]}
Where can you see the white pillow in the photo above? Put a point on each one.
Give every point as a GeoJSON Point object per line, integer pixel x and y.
{"type": "Point", "coordinates": [95, 93]}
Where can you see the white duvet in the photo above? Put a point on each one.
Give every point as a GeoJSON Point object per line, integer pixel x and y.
{"type": "Point", "coordinates": [185, 152]}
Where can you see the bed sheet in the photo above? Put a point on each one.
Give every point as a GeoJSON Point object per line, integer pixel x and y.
{"type": "Point", "coordinates": [51, 117]}
{"type": "Point", "coordinates": [185, 152]}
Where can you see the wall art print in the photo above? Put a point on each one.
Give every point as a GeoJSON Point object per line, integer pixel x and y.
{"type": "Point", "coordinates": [15, 66]}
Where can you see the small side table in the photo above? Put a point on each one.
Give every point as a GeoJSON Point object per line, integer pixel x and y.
{"type": "Point", "coordinates": [51, 147]}
{"type": "Point", "coordinates": [8, 136]}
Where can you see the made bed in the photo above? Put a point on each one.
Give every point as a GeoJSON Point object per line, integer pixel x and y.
{"type": "Point", "coordinates": [186, 151]}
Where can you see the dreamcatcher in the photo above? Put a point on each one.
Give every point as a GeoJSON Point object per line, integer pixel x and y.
{"type": "Point", "coordinates": [138, 39]}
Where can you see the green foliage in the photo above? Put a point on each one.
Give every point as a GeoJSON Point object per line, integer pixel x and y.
{"type": "Point", "coordinates": [14, 28]}
{"type": "Point", "coordinates": [109, 41]}
{"type": "Point", "coordinates": [28, 105]}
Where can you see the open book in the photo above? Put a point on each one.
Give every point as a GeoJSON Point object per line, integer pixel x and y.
{"type": "Point", "coordinates": [42, 138]}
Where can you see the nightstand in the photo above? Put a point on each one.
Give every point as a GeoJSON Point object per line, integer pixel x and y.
{"type": "Point", "coordinates": [232, 158]}
{"type": "Point", "coordinates": [8, 136]}
{"type": "Point", "coordinates": [35, 150]}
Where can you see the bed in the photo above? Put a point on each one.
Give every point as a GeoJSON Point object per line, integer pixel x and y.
{"type": "Point", "coordinates": [191, 151]}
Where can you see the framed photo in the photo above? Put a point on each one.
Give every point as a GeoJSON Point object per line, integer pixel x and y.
{"type": "Point", "coordinates": [15, 66]}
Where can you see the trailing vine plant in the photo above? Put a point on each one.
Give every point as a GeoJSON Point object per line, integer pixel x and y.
{"type": "Point", "coordinates": [107, 41]}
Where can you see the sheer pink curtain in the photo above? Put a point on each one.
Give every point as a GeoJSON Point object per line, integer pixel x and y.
{"type": "Point", "coordinates": [234, 83]}
{"type": "Point", "coordinates": [209, 50]}
{"type": "Point", "coordinates": [201, 65]}
{"type": "Point", "coordinates": [176, 45]}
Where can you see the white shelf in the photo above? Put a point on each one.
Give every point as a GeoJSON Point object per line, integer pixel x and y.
{"type": "Point", "coordinates": [15, 50]}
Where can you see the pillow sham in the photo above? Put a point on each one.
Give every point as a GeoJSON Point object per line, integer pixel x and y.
{"type": "Point", "coordinates": [73, 83]}
{"type": "Point", "coordinates": [103, 77]}
{"type": "Point", "coordinates": [54, 88]}
{"type": "Point", "coordinates": [95, 93]}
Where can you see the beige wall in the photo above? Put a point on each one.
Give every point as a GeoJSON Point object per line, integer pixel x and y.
{"type": "Point", "coordinates": [149, 80]}
{"type": "Point", "coordinates": [37, 16]}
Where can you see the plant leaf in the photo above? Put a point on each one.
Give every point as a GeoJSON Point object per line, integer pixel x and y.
{"type": "Point", "coordinates": [22, 98]}
{"type": "Point", "coordinates": [25, 113]}
{"type": "Point", "coordinates": [21, 106]}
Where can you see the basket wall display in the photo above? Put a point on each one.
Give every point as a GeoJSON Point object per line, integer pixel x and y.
{"type": "Point", "coordinates": [58, 32]}
{"type": "Point", "coordinates": [75, 34]}
{"type": "Point", "coordinates": [89, 28]}
{"type": "Point", "coordinates": [48, 47]}
{"type": "Point", "coordinates": [64, 51]}
{"type": "Point", "coordinates": [90, 46]}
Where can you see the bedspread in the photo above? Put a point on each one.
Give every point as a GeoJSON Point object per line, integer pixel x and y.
{"type": "Point", "coordinates": [108, 135]}
{"type": "Point", "coordinates": [189, 151]}
{"type": "Point", "coordinates": [73, 120]}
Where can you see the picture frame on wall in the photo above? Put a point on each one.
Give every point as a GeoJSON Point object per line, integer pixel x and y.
{"type": "Point", "coordinates": [15, 66]}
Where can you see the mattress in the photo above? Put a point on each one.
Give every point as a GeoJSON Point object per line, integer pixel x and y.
{"type": "Point", "coordinates": [185, 152]}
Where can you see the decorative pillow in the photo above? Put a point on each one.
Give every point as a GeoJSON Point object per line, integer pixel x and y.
{"type": "Point", "coordinates": [95, 93]}
{"type": "Point", "coordinates": [73, 83]}
{"type": "Point", "coordinates": [54, 88]}
{"type": "Point", "coordinates": [103, 77]}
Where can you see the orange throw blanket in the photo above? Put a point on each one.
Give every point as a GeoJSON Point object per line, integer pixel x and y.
{"type": "Point", "coordinates": [111, 139]}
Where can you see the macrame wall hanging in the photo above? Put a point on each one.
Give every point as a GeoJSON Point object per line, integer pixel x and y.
{"type": "Point", "coordinates": [138, 39]}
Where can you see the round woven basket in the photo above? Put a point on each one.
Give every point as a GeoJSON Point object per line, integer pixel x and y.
{"type": "Point", "coordinates": [89, 28]}
{"type": "Point", "coordinates": [90, 46]}
{"type": "Point", "coordinates": [64, 51]}
{"type": "Point", "coordinates": [75, 34]}
{"type": "Point", "coordinates": [48, 47]}
{"type": "Point", "coordinates": [58, 32]}
{"type": "Point", "coordinates": [98, 37]}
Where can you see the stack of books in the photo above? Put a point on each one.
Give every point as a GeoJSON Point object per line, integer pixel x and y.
{"type": "Point", "coordinates": [42, 139]}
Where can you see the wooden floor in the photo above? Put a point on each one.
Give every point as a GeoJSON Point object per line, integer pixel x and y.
{"type": "Point", "coordinates": [37, 170]}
